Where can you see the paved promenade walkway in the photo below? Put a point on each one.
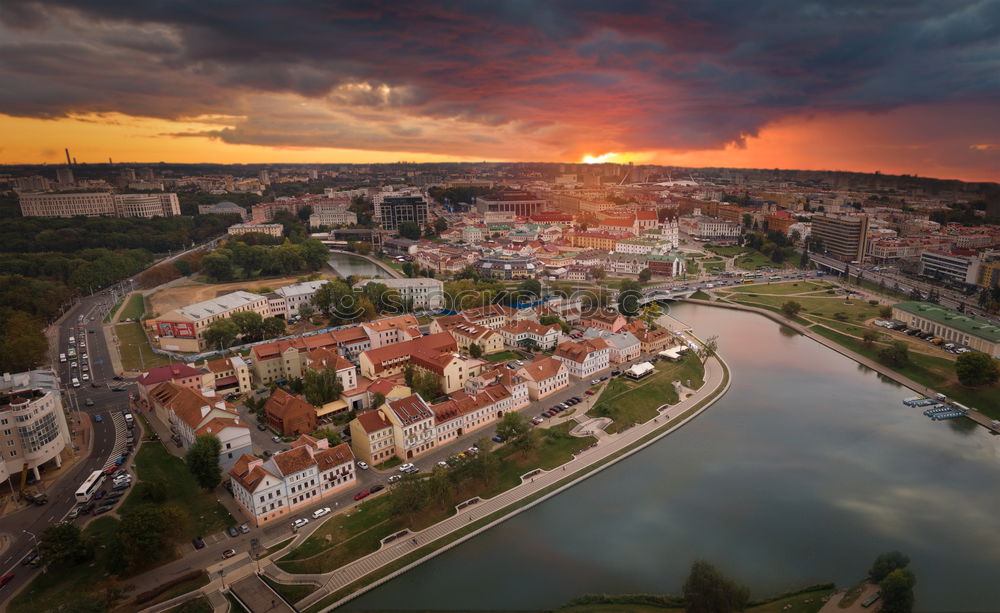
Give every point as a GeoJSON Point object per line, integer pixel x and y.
{"type": "Point", "coordinates": [716, 383]}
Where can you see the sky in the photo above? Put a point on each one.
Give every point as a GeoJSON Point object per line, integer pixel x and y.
{"type": "Point", "coordinates": [892, 86]}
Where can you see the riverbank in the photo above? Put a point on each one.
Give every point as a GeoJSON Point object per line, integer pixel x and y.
{"type": "Point", "coordinates": [356, 578]}
{"type": "Point", "coordinates": [829, 341]}
{"type": "Point", "coordinates": [392, 272]}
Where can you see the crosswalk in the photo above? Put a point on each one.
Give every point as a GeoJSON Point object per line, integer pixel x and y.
{"type": "Point", "coordinates": [121, 438]}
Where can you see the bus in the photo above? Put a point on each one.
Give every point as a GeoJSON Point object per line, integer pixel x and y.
{"type": "Point", "coordinates": [752, 275]}
{"type": "Point", "coordinates": [90, 486]}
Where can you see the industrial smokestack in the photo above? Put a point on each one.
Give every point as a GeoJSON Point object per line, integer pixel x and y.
{"type": "Point", "coordinates": [74, 161]}
{"type": "Point", "coordinates": [67, 157]}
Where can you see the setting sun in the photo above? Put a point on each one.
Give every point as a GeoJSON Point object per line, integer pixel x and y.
{"type": "Point", "coordinates": [600, 159]}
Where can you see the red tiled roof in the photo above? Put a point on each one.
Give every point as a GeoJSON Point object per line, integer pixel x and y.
{"type": "Point", "coordinates": [168, 372]}
{"type": "Point", "coordinates": [373, 421]}
{"type": "Point", "coordinates": [542, 369]}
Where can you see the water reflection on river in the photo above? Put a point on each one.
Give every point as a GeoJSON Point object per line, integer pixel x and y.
{"type": "Point", "coordinates": [347, 264]}
{"type": "Point", "coordinates": [806, 470]}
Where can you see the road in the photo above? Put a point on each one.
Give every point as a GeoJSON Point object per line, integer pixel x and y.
{"type": "Point", "coordinates": [61, 497]}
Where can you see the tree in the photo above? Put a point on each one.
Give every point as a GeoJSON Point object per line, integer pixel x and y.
{"type": "Point", "coordinates": [974, 369]}
{"type": "Point", "coordinates": [329, 434]}
{"type": "Point", "coordinates": [645, 275]}
{"type": "Point", "coordinates": [63, 545]}
{"type": "Point", "coordinates": [217, 266]}
{"type": "Point", "coordinates": [146, 532]}
{"type": "Point", "coordinates": [475, 350]}
{"type": "Point", "coordinates": [22, 344]}
{"type": "Point", "coordinates": [306, 311]}
{"type": "Point", "coordinates": [629, 297]}
{"type": "Point", "coordinates": [250, 324]}
{"type": "Point", "coordinates": [885, 312]}
{"type": "Point", "coordinates": [791, 309]}
{"type": "Point", "coordinates": [597, 272]}
{"type": "Point", "coordinates": [273, 327]}
{"type": "Point", "coordinates": [407, 497]}
{"type": "Point", "coordinates": [897, 591]}
{"type": "Point", "coordinates": [512, 425]}
{"type": "Point", "coordinates": [409, 230]}
{"type": "Point", "coordinates": [885, 563]}
{"type": "Point", "coordinates": [408, 269]}
{"type": "Point", "coordinates": [440, 224]}
{"type": "Point", "coordinates": [708, 348]}
{"type": "Point", "coordinates": [409, 375]}
{"type": "Point", "coordinates": [869, 338]}
{"type": "Point", "coordinates": [531, 289]}
{"type": "Point", "coordinates": [707, 590]}
{"type": "Point", "coordinates": [896, 354]}
{"type": "Point", "coordinates": [485, 466]}
{"type": "Point", "coordinates": [439, 487]}
{"type": "Point", "coordinates": [378, 399]}
{"type": "Point", "coordinates": [221, 333]}
{"type": "Point", "coordinates": [321, 386]}
{"type": "Point", "coordinates": [203, 460]}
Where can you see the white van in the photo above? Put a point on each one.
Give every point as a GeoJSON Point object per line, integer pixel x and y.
{"type": "Point", "coordinates": [72, 340]}
{"type": "Point", "coordinates": [76, 382]}
{"type": "Point", "coordinates": [62, 357]}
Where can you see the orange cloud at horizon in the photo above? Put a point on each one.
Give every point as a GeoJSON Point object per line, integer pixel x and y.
{"type": "Point", "coordinates": [861, 142]}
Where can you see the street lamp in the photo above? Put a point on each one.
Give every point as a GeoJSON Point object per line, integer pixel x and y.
{"type": "Point", "coordinates": [35, 541]}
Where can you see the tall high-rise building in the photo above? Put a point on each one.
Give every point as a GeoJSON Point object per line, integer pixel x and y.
{"type": "Point", "coordinates": [844, 236]}
{"type": "Point", "coordinates": [64, 176]}
{"type": "Point", "coordinates": [265, 177]}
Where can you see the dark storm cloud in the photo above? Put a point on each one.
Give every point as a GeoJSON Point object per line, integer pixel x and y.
{"type": "Point", "coordinates": [645, 75]}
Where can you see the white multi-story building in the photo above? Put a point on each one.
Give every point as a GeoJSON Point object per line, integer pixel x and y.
{"type": "Point", "coordinates": [544, 376]}
{"type": "Point", "coordinates": [711, 227]}
{"type": "Point", "coordinates": [950, 266]}
{"type": "Point", "coordinates": [183, 329]}
{"type": "Point", "coordinates": [670, 233]}
{"type": "Point", "coordinates": [93, 204]}
{"type": "Point", "coordinates": [191, 413]}
{"type": "Point", "coordinates": [623, 346]}
{"type": "Point", "coordinates": [425, 293]}
{"type": "Point", "coordinates": [305, 474]}
{"type": "Point", "coordinates": [147, 205]}
{"type": "Point", "coordinates": [285, 301]}
{"type": "Point", "coordinates": [525, 332]}
{"type": "Point", "coordinates": [270, 229]}
{"type": "Point", "coordinates": [33, 427]}
{"type": "Point", "coordinates": [584, 358]}
{"type": "Point", "coordinates": [325, 214]}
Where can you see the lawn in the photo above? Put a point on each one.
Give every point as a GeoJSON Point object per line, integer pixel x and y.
{"type": "Point", "coordinates": [291, 593]}
{"type": "Point", "coordinates": [810, 600]}
{"type": "Point", "coordinates": [198, 605]}
{"type": "Point", "coordinates": [855, 310]}
{"type": "Point", "coordinates": [350, 535]}
{"type": "Point", "coordinates": [114, 309]}
{"type": "Point", "coordinates": [135, 308]}
{"type": "Point", "coordinates": [502, 356]}
{"type": "Point", "coordinates": [792, 287]}
{"type": "Point", "coordinates": [135, 350]}
{"type": "Point", "coordinates": [234, 605]}
{"type": "Point", "coordinates": [50, 590]}
{"type": "Point", "coordinates": [754, 259]}
{"type": "Point", "coordinates": [700, 295]}
{"type": "Point", "coordinates": [727, 251]}
{"type": "Point", "coordinates": [635, 402]}
{"type": "Point", "coordinates": [173, 592]}
{"type": "Point", "coordinates": [203, 513]}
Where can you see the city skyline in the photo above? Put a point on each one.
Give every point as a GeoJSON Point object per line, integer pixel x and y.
{"type": "Point", "coordinates": [900, 90]}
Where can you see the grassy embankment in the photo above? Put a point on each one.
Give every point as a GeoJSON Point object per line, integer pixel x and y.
{"type": "Point", "coordinates": [630, 402]}
{"type": "Point", "coordinates": [136, 353]}
{"type": "Point", "coordinates": [135, 308]}
{"type": "Point", "coordinates": [502, 356]}
{"type": "Point", "coordinates": [201, 514]}
{"type": "Point", "coordinates": [291, 593]}
{"type": "Point", "coordinates": [356, 533]}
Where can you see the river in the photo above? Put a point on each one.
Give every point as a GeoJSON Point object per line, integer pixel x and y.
{"type": "Point", "coordinates": [347, 264]}
{"type": "Point", "coordinates": [807, 469]}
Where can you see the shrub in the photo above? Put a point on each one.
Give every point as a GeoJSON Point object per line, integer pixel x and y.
{"type": "Point", "coordinates": [163, 587]}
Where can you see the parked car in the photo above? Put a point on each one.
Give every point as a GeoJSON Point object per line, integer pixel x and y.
{"type": "Point", "coordinates": [244, 528]}
{"type": "Point", "coordinates": [98, 419]}
{"type": "Point", "coordinates": [443, 464]}
{"type": "Point", "coordinates": [28, 559]}
{"type": "Point", "coordinates": [232, 531]}
{"type": "Point", "coordinates": [261, 427]}
{"type": "Point", "coordinates": [394, 478]}
{"type": "Point", "coordinates": [320, 512]}
{"type": "Point", "coordinates": [6, 579]}
{"type": "Point", "coordinates": [362, 465]}
{"type": "Point", "coordinates": [228, 554]}
{"type": "Point", "coordinates": [298, 523]}
{"type": "Point", "coordinates": [102, 509]}
{"type": "Point", "coordinates": [376, 488]}
{"type": "Point", "coordinates": [362, 494]}
{"type": "Point", "coordinates": [405, 467]}
{"type": "Point", "coordinates": [74, 513]}
{"type": "Point", "coordinates": [100, 494]}
{"type": "Point", "coordinates": [275, 439]}
{"type": "Point", "coordinates": [89, 402]}
{"type": "Point", "coordinates": [590, 392]}
{"type": "Point", "coordinates": [198, 542]}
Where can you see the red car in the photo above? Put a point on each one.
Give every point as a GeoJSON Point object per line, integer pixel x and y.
{"type": "Point", "coordinates": [6, 579]}
{"type": "Point", "coordinates": [110, 470]}
{"type": "Point", "coordinates": [361, 494]}
{"type": "Point", "coordinates": [591, 392]}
